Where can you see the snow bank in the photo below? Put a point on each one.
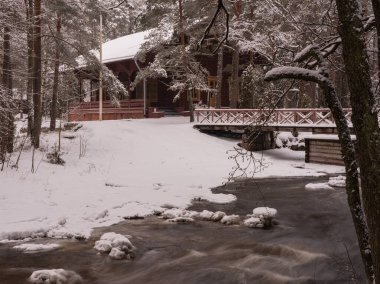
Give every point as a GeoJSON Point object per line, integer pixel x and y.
{"type": "Point", "coordinates": [34, 248]}
{"type": "Point", "coordinates": [318, 186]}
{"type": "Point", "coordinates": [55, 276]}
{"type": "Point", "coordinates": [339, 181]}
{"type": "Point", "coordinates": [129, 168]}
{"type": "Point", "coordinates": [116, 245]}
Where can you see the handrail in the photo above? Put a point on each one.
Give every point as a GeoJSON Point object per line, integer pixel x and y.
{"type": "Point", "coordinates": [277, 117]}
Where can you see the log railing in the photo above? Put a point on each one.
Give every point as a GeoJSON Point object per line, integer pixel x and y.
{"type": "Point", "coordinates": [86, 111]}
{"type": "Point", "coordinates": [277, 117]}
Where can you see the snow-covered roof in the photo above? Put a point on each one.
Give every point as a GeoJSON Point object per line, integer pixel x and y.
{"type": "Point", "coordinates": [124, 47]}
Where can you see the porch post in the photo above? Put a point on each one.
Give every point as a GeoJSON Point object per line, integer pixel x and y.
{"type": "Point", "coordinates": [101, 70]}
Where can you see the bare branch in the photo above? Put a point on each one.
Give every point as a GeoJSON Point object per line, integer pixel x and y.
{"type": "Point", "coordinates": [220, 9]}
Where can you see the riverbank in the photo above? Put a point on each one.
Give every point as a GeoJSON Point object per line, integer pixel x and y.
{"type": "Point", "coordinates": [310, 244]}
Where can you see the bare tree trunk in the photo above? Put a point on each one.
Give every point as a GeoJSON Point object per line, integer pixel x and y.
{"type": "Point", "coordinates": [364, 117]}
{"type": "Point", "coordinates": [348, 150]}
{"type": "Point", "coordinates": [185, 62]}
{"type": "Point", "coordinates": [376, 11]}
{"type": "Point", "coordinates": [53, 110]}
{"type": "Point", "coordinates": [219, 79]}
{"type": "Point", "coordinates": [37, 73]}
{"type": "Point", "coordinates": [235, 78]}
{"type": "Point", "coordinates": [29, 86]}
{"type": "Point", "coordinates": [8, 84]}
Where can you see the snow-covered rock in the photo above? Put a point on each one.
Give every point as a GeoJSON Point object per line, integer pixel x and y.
{"type": "Point", "coordinates": [55, 276]}
{"type": "Point", "coordinates": [261, 217]}
{"type": "Point", "coordinates": [339, 181]}
{"type": "Point", "coordinates": [254, 222]}
{"type": "Point", "coordinates": [318, 186]}
{"type": "Point", "coordinates": [117, 253]}
{"type": "Point", "coordinates": [206, 215]}
{"type": "Point", "coordinates": [118, 246]}
{"type": "Point", "coordinates": [103, 246]}
{"type": "Point", "coordinates": [230, 220]}
{"type": "Point", "coordinates": [264, 212]}
{"type": "Point", "coordinates": [34, 248]}
{"type": "Point", "coordinates": [217, 216]}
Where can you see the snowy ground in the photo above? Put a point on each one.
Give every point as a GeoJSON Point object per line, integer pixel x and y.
{"type": "Point", "coordinates": [129, 167]}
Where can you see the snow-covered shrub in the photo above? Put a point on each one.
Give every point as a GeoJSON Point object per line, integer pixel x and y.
{"type": "Point", "coordinates": [116, 245]}
{"type": "Point", "coordinates": [54, 157]}
{"type": "Point", "coordinates": [287, 139]}
{"type": "Point", "coordinates": [55, 276]}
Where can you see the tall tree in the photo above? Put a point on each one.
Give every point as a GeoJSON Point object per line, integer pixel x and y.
{"type": "Point", "coordinates": [364, 117]}
{"type": "Point", "coordinates": [54, 101]}
{"type": "Point", "coordinates": [8, 131]}
{"type": "Point", "coordinates": [37, 73]}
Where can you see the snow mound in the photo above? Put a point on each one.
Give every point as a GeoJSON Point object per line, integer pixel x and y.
{"type": "Point", "coordinates": [181, 219]}
{"type": "Point", "coordinates": [339, 181]}
{"type": "Point", "coordinates": [116, 245]}
{"type": "Point", "coordinates": [55, 276]}
{"type": "Point", "coordinates": [174, 213]}
{"type": "Point", "coordinates": [264, 212]}
{"type": "Point", "coordinates": [230, 220]}
{"type": "Point", "coordinates": [318, 186]}
{"type": "Point", "coordinates": [253, 222]}
{"type": "Point", "coordinates": [34, 248]}
{"type": "Point", "coordinates": [206, 215]}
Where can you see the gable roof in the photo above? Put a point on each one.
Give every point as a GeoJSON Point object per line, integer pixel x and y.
{"type": "Point", "coordinates": [125, 47]}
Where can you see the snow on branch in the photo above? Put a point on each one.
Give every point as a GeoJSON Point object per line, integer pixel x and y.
{"type": "Point", "coordinates": [305, 53]}
{"type": "Point", "coordinates": [288, 72]}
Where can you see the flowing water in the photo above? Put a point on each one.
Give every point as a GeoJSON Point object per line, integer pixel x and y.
{"type": "Point", "coordinates": [314, 242]}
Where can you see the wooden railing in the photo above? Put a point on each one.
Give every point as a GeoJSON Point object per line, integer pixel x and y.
{"type": "Point", "coordinates": [277, 117]}
{"type": "Point", "coordinates": [108, 104]}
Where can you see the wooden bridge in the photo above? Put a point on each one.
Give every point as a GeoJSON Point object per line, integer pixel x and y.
{"type": "Point", "coordinates": [236, 120]}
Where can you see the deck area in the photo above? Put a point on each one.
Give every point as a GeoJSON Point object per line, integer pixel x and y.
{"type": "Point", "coordinates": [88, 111]}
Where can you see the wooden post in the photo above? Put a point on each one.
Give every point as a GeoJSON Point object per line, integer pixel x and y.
{"type": "Point", "coordinates": [101, 70]}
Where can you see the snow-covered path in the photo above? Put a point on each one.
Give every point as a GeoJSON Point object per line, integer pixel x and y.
{"type": "Point", "coordinates": [129, 167]}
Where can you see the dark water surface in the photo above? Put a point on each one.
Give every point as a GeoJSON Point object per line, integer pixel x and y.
{"type": "Point", "coordinates": [313, 243]}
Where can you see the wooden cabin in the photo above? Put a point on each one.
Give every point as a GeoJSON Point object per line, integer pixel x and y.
{"type": "Point", "coordinates": [119, 56]}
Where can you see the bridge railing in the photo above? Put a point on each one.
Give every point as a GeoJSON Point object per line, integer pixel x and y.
{"type": "Point", "coordinates": [286, 117]}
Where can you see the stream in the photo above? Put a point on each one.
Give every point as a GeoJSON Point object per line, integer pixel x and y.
{"type": "Point", "coordinates": [314, 242]}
